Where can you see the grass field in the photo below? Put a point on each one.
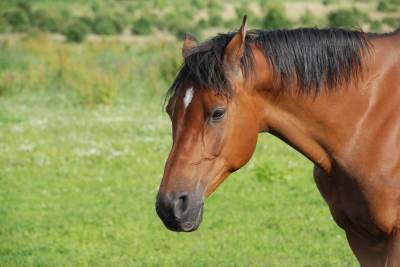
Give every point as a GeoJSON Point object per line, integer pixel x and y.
{"type": "Point", "coordinates": [78, 189]}
{"type": "Point", "coordinates": [79, 171]}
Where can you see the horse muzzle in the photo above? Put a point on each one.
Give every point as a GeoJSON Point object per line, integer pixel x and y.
{"type": "Point", "coordinates": [180, 212]}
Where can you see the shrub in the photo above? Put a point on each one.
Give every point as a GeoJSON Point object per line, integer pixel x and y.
{"type": "Point", "coordinates": [51, 20]}
{"type": "Point", "coordinates": [107, 25]}
{"type": "Point", "coordinates": [386, 6]}
{"type": "Point", "coordinates": [122, 19]}
{"type": "Point", "coordinates": [214, 5]}
{"type": "Point", "coordinates": [232, 24]}
{"type": "Point", "coordinates": [256, 21]}
{"type": "Point", "coordinates": [347, 18]}
{"type": "Point", "coordinates": [253, 20]}
{"type": "Point", "coordinates": [375, 26]}
{"type": "Point", "coordinates": [65, 14]}
{"type": "Point", "coordinates": [276, 19]}
{"type": "Point", "coordinates": [215, 19]}
{"type": "Point", "coordinates": [18, 19]}
{"type": "Point", "coordinates": [180, 30]}
{"type": "Point", "coordinates": [202, 23]}
{"type": "Point", "coordinates": [178, 25]}
{"type": "Point", "coordinates": [130, 8]}
{"type": "Point", "coordinates": [308, 19]}
{"type": "Point", "coordinates": [142, 26]}
{"type": "Point", "coordinates": [198, 4]}
{"type": "Point", "coordinates": [391, 22]}
{"type": "Point", "coordinates": [87, 21]}
{"type": "Point", "coordinates": [328, 2]}
{"type": "Point", "coordinates": [159, 23]}
{"type": "Point", "coordinates": [242, 10]}
{"type": "Point", "coordinates": [25, 6]}
{"type": "Point", "coordinates": [76, 31]}
{"type": "Point", "coordinates": [96, 7]}
{"type": "Point", "coordinates": [43, 20]}
{"type": "Point", "coordinates": [4, 26]}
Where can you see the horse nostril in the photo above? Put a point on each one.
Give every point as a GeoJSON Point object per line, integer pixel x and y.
{"type": "Point", "coordinates": [181, 205]}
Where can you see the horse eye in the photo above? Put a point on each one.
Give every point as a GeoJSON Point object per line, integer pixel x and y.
{"type": "Point", "coordinates": [217, 114]}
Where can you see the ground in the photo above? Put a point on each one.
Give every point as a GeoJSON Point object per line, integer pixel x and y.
{"type": "Point", "coordinates": [79, 185]}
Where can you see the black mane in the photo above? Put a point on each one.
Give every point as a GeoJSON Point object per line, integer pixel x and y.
{"type": "Point", "coordinates": [315, 58]}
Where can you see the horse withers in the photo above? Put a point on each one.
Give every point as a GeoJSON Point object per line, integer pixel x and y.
{"type": "Point", "coordinates": [332, 94]}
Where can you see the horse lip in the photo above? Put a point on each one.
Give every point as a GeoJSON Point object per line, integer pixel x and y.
{"type": "Point", "coordinates": [187, 222]}
{"type": "Point", "coordinates": [188, 226]}
{"type": "Point", "coordinates": [194, 225]}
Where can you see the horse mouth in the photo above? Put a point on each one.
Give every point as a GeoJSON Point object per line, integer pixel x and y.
{"type": "Point", "coordinates": [188, 223]}
{"type": "Point", "coordinates": [190, 226]}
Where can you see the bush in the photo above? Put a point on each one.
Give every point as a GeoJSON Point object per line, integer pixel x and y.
{"type": "Point", "coordinates": [328, 2]}
{"type": "Point", "coordinates": [375, 26]}
{"type": "Point", "coordinates": [96, 7]}
{"type": "Point", "coordinates": [242, 10]}
{"type": "Point", "coordinates": [85, 20]}
{"type": "Point", "coordinates": [178, 23]}
{"type": "Point", "coordinates": [215, 19]}
{"type": "Point", "coordinates": [232, 24]}
{"type": "Point", "coordinates": [276, 19]}
{"type": "Point", "coordinates": [391, 22]}
{"type": "Point", "coordinates": [25, 6]}
{"type": "Point", "coordinates": [386, 6]}
{"type": "Point", "coordinates": [214, 5]}
{"type": "Point", "coordinates": [48, 21]}
{"type": "Point", "coordinates": [198, 4]}
{"type": "Point", "coordinates": [142, 26]}
{"type": "Point", "coordinates": [202, 24]}
{"type": "Point", "coordinates": [107, 25]}
{"type": "Point", "coordinates": [308, 19]}
{"type": "Point", "coordinates": [42, 20]}
{"type": "Point", "coordinates": [180, 30]}
{"type": "Point", "coordinates": [347, 18]}
{"type": "Point", "coordinates": [17, 18]}
{"type": "Point", "coordinates": [4, 26]}
{"type": "Point", "coordinates": [76, 31]}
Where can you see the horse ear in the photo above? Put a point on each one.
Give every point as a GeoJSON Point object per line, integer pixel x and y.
{"type": "Point", "coordinates": [235, 49]}
{"type": "Point", "coordinates": [188, 45]}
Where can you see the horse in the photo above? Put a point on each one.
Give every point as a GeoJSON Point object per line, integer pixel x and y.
{"type": "Point", "coordinates": [332, 94]}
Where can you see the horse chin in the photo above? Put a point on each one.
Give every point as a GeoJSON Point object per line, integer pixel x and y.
{"type": "Point", "coordinates": [190, 226]}
{"type": "Point", "coordinates": [188, 223]}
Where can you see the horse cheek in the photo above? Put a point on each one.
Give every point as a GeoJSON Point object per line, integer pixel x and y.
{"type": "Point", "coordinates": [214, 140]}
{"type": "Point", "coordinates": [242, 143]}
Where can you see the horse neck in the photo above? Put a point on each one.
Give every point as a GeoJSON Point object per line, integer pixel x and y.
{"type": "Point", "coordinates": [317, 126]}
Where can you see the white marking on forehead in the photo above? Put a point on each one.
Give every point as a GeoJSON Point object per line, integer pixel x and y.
{"type": "Point", "coordinates": [188, 97]}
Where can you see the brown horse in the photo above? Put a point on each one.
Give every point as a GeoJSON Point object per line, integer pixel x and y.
{"type": "Point", "coordinates": [332, 94]}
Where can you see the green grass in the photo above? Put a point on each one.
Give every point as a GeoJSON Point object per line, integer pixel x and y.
{"type": "Point", "coordinates": [78, 189]}
{"type": "Point", "coordinates": [79, 176]}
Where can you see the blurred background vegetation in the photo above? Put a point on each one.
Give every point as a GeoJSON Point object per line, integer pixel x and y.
{"type": "Point", "coordinates": [37, 36]}
{"type": "Point", "coordinates": [83, 138]}
{"type": "Point", "coordinates": [76, 20]}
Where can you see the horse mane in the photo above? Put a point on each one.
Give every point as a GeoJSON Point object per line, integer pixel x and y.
{"type": "Point", "coordinates": [314, 58]}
